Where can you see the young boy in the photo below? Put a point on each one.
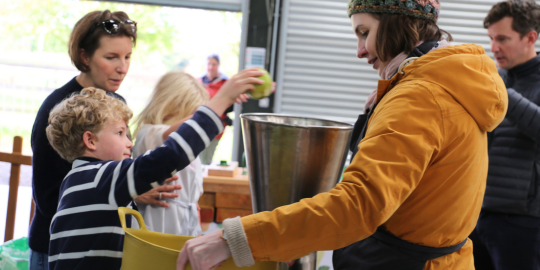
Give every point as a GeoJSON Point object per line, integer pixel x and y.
{"type": "Point", "coordinates": [90, 130]}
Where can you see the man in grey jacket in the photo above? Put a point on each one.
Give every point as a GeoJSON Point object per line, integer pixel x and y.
{"type": "Point", "coordinates": [509, 225]}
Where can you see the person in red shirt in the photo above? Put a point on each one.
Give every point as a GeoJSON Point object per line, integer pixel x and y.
{"type": "Point", "coordinates": [212, 81]}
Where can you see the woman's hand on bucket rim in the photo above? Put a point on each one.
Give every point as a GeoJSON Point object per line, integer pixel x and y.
{"type": "Point", "coordinates": [205, 252]}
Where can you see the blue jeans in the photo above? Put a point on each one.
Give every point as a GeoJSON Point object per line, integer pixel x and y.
{"type": "Point", "coordinates": [513, 241]}
{"type": "Point", "coordinates": [38, 260]}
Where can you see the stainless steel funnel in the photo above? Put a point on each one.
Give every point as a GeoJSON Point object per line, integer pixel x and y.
{"type": "Point", "coordinates": [290, 158]}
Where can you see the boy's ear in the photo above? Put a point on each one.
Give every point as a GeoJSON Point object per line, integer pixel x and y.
{"type": "Point", "coordinates": [89, 140]}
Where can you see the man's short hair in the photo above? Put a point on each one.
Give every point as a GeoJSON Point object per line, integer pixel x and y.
{"type": "Point", "coordinates": [525, 15]}
{"type": "Point", "coordinates": [88, 110]}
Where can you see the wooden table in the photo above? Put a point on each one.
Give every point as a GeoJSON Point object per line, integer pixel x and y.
{"type": "Point", "coordinates": [239, 184]}
{"type": "Point", "coordinates": [225, 197]}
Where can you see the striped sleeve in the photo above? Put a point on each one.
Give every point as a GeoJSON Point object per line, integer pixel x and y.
{"type": "Point", "coordinates": [139, 175]}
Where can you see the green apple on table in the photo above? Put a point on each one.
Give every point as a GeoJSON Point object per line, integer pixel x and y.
{"type": "Point", "coordinates": [262, 90]}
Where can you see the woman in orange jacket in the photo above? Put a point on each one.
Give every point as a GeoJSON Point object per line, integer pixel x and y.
{"type": "Point", "coordinates": [414, 188]}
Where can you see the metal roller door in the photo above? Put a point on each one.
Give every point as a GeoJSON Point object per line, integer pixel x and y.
{"type": "Point", "coordinates": [317, 70]}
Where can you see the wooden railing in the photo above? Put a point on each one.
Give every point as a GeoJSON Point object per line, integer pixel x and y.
{"type": "Point", "coordinates": [16, 158]}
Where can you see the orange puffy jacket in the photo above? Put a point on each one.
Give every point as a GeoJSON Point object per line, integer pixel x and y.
{"type": "Point", "coordinates": [420, 171]}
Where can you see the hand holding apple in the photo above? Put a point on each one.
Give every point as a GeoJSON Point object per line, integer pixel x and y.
{"type": "Point", "coordinates": [262, 90]}
{"type": "Point", "coordinates": [233, 90]}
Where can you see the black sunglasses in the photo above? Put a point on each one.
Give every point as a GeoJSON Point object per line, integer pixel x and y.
{"type": "Point", "coordinates": [112, 26]}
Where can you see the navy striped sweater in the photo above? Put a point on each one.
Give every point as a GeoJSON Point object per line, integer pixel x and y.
{"type": "Point", "coordinates": [86, 231]}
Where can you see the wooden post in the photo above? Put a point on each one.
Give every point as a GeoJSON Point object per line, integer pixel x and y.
{"type": "Point", "coordinates": [32, 211]}
{"type": "Point", "coordinates": [13, 190]}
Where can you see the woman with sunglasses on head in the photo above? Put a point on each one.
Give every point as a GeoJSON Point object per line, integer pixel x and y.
{"type": "Point", "coordinates": [100, 46]}
{"type": "Point", "coordinates": [415, 185]}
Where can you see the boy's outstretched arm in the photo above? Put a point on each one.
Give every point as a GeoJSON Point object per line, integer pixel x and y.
{"type": "Point", "coordinates": [183, 145]}
{"type": "Point", "coordinates": [239, 83]}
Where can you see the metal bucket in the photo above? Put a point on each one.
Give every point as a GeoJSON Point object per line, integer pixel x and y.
{"type": "Point", "coordinates": [290, 158]}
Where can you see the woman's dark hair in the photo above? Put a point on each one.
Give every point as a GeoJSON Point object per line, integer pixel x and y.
{"type": "Point", "coordinates": [525, 15]}
{"type": "Point", "coordinates": [399, 33]}
{"type": "Point", "coordinates": [86, 35]}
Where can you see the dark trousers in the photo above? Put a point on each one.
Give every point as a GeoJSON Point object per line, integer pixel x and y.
{"type": "Point", "coordinates": [482, 259]}
{"type": "Point", "coordinates": [512, 242]}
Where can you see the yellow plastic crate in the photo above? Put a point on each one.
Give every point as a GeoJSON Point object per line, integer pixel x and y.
{"type": "Point", "coordinates": [144, 249]}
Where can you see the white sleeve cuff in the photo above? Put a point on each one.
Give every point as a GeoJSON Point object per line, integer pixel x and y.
{"type": "Point", "coordinates": [238, 243]}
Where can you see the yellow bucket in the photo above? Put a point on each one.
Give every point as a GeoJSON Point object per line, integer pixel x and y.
{"type": "Point", "coordinates": [144, 249]}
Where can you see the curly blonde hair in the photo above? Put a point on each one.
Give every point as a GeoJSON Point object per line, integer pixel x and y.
{"type": "Point", "coordinates": [88, 110]}
{"type": "Point", "coordinates": [176, 96]}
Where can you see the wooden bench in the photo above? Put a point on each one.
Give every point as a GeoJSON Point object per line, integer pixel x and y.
{"type": "Point", "coordinates": [16, 158]}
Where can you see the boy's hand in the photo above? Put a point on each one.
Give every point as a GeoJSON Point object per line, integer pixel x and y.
{"type": "Point", "coordinates": [153, 196]}
{"type": "Point", "coordinates": [233, 89]}
{"type": "Point", "coordinates": [242, 98]}
{"type": "Point", "coordinates": [240, 83]}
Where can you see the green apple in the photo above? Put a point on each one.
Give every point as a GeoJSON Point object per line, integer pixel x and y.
{"type": "Point", "coordinates": [262, 90]}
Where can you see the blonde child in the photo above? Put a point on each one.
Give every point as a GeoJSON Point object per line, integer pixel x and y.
{"type": "Point", "coordinates": [89, 130]}
{"type": "Point", "coordinates": [176, 96]}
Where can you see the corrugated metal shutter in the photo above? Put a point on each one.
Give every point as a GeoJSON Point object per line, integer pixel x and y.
{"type": "Point", "coordinates": [318, 72]}
{"type": "Point", "coordinates": [228, 5]}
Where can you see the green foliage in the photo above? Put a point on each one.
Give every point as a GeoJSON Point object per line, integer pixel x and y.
{"type": "Point", "coordinates": [45, 26]}
{"type": "Point", "coordinates": [155, 33]}
{"type": "Point", "coordinates": [34, 26]}
{"type": "Point", "coordinates": [34, 48]}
